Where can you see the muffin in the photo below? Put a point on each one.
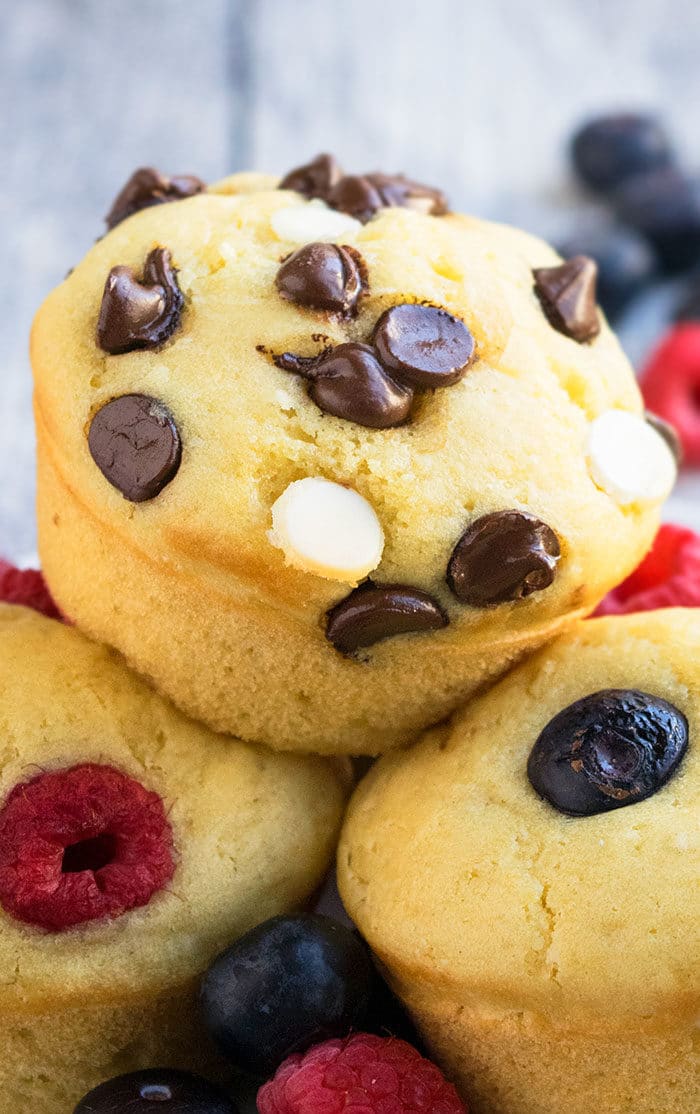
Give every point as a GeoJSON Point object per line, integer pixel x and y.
{"type": "Point", "coordinates": [334, 456]}
{"type": "Point", "coordinates": [134, 846]}
{"type": "Point", "coordinates": [529, 877]}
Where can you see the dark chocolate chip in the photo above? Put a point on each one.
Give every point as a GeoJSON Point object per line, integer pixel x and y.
{"type": "Point", "coordinates": [503, 556]}
{"type": "Point", "coordinates": [324, 276]}
{"type": "Point", "coordinates": [135, 443]}
{"type": "Point", "coordinates": [147, 187]}
{"type": "Point", "coordinates": [299, 365]}
{"type": "Point", "coordinates": [668, 432]}
{"type": "Point", "coordinates": [140, 314]}
{"type": "Point", "coordinates": [349, 382]}
{"type": "Point", "coordinates": [373, 612]}
{"type": "Point", "coordinates": [363, 195]}
{"type": "Point", "coordinates": [315, 179]}
{"type": "Point", "coordinates": [423, 346]}
{"type": "Point", "coordinates": [626, 262]}
{"type": "Point", "coordinates": [356, 195]}
{"type": "Point", "coordinates": [567, 294]}
{"type": "Point", "coordinates": [611, 749]}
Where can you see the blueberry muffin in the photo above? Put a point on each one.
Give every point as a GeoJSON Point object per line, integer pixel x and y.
{"type": "Point", "coordinates": [529, 877]}
{"type": "Point", "coordinates": [333, 456]}
{"type": "Point", "coordinates": [134, 845]}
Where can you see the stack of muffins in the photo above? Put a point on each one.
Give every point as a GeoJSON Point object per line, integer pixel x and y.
{"type": "Point", "coordinates": [320, 462]}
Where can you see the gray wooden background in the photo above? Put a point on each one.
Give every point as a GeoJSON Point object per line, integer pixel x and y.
{"type": "Point", "coordinates": [478, 95]}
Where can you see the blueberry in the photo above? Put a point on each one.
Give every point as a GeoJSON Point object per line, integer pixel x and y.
{"type": "Point", "coordinates": [158, 1089]}
{"type": "Point", "coordinates": [664, 206]}
{"type": "Point", "coordinates": [287, 984]}
{"type": "Point", "coordinates": [385, 1016]}
{"type": "Point", "coordinates": [609, 149]}
{"type": "Point", "coordinates": [626, 263]}
{"type": "Point", "coordinates": [611, 749]}
{"type": "Point", "coordinates": [689, 307]}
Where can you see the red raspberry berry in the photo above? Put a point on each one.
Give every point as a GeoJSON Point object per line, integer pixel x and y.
{"type": "Point", "coordinates": [671, 385]}
{"type": "Point", "coordinates": [26, 587]}
{"type": "Point", "coordinates": [81, 844]}
{"type": "Point", "coordinates": [363, 1074]}
{"type": "Point", "coordinates": [669, 576]}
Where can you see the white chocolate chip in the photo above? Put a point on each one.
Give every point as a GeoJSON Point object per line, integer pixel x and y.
{"type": "Point", "coordinates": [311, 221]}
{"type": "Point", "coordinates": [325, 528]}
{"type": "Point", "coordinates": [629, 460]}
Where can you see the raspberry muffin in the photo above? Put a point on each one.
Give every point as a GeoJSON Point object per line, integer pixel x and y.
{"type": "Point", "coordinates": [134, 845]}
{"type": "Point", "coordinates": [529, 877]}
{"type": "Point", "coordinates": [335, 456]}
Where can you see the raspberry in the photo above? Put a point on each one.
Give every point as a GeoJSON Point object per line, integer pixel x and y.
{"type": "Point", "coordinates": [360, 1075]}
{"type": "Point", "coordinates": [80, 845]}
{"type": "Point", "coordinates": [669, 576]}
{"type": "Point", "coordinates": [26, 587]}
{"type": "Point", "coordinates": [671, 385]}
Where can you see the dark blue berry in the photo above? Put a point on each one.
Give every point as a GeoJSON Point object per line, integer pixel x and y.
{"type": "Point", "coordinates": [385, 1016]}
{"type": "Point", "coordinates": [664, 206]}
{"type": "Point", "coordinates": [289, 983]}
{"type": "Point", "coordinates": [609, 149]}
{"type": "Point", "coordinates": [156, 1091]}
{"type": "Point", "coordinates": [689, 306]}
{"type": "Point", "coordinates": [611, 749]}
{"type": "Point", "coordinates": [626, 263]}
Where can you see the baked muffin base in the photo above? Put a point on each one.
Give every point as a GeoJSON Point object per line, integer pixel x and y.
{"type": "Point", "coordinates": [515, 1062]}
{"type": "Point", "coordinates": [268, 679]}
{"type": "Point", "coordinates": [53, 1053]}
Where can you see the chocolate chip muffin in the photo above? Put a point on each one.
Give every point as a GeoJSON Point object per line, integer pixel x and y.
{"type": "Point", "coordinates": [529, 877]}
{"type": "Point", "coordinates": [333, 456]}
{"type": "Point", "coordinates": [134, 846]}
